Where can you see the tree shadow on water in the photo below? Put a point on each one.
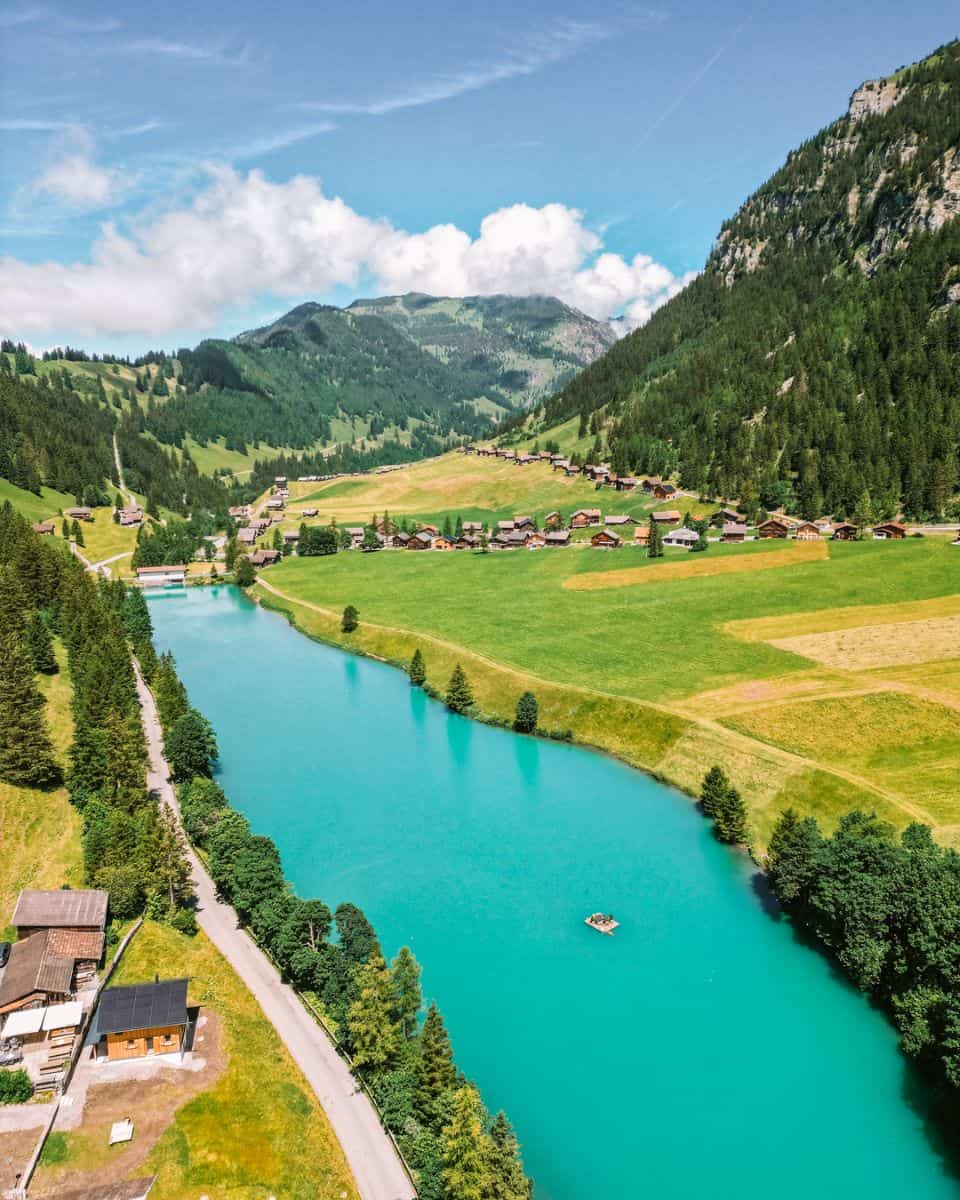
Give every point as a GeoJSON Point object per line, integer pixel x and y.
{"type": "Point", "coordinates": [765, 895]}
{"type": "Point", "coordinates": [935, 1104]}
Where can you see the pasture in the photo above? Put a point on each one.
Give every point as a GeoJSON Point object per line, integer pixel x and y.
{"type": "Point", "coordinates": [681, 654]}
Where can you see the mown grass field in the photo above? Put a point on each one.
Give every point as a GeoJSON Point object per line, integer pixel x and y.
{"type": "Point", "coordinates": [33, 507]}
{"type": "Point", "coordinates": [476, 489]}
{"type": "Point", "coordinates": [257, 1131]}
{"type": "Point", "coordinates": [663, 675]}
{"type": "Point", "coordinates": [40, 831]}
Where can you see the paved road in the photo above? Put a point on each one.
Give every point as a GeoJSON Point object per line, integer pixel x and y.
{"type": "Point", "coordinates": [376, 1166]}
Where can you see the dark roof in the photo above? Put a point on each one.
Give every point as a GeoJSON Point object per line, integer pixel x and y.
{"type": "Point", "coordinates": [143, 1006]}
{"type": "Point", "coordinates": [561, 535]}
{"type": "Point", "coordinates": [131, 1189]}
{"type": "Point", "coordinates": [33, 968]}
{"type": "Point", "coordinates": [64, 908]}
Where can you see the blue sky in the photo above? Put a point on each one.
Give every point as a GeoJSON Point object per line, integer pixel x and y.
{"type": "Point", "coordinates": [515, 147]}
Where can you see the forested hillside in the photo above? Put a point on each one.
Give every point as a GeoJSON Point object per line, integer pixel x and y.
{"type": "Point", "coordinates": [818, 355]}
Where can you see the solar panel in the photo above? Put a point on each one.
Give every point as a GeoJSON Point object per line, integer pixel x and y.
{"type": "Point", "coordinates": [143, 1006]}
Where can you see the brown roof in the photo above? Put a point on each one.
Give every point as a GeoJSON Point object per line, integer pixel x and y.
{"type": "Point", "coordinates": [160, 570]}
{"type": "Point", "coordinates": [734, 529]}
{"type": "Point", "coordinates": [131, 1189]}
{"type": "Point", "coordinates": [669, 514]}
{"type": "Point", "coordinates": [617, 519]}
{"type": "Point", "coordinates": [76, 943]}
{"type": "Point", "coordinates": [32, 968]}
{"type": "Point", "coordinates": [43, 527]}
{"type": "Point", "coordinates": [64, 908]}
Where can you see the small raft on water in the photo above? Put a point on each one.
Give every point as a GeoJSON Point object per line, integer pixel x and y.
{"type": "Point", "coordinates": [602, 922]}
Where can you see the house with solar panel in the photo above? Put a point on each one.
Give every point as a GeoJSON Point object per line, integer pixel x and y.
{"type": "Point", "coordinates": [143, 1020]}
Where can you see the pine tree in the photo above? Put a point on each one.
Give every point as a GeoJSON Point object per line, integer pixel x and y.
{"type": "Point", "coordinates": [466, 1160]}
{"type": "Point", "coordinates": [418, 670]}
{"type": "Point", "coordinates": [655, 540]}
{"type": "Point", "coordinates": [731, 823]}
{"type": "Point", "coordinates": [508, 1180]}
{"type": "Point", "coordinates": [407, 997]}
{"type": "Point", "coordinates": [435, 1074]}
{"type": "Point", "coordinates": [26, 753]}
{"type": "Point", "coordinates": [374, 1034]}
{"type": "Point", "coordinates": [712, 790]}
{"type": "Point", "coordinates": [41, 646]}
{"type": "Point", "coordinates": [863, 513]}
{"type": "Point", "coordinates": [244, 574]}
{"type": "Point", "coordinates": [527, 714]}
{"type": "Point", "coordinates": [77, 533]}
{"type": "Point", "coordinates": [350, 619]}
{"type": "Point", "coordinates": [170, 694]}
{"type": "Point", "coordinates": [459, 693]}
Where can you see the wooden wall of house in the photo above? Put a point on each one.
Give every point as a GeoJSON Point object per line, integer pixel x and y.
{"type": "Point", "coordinates": [135, 1043]}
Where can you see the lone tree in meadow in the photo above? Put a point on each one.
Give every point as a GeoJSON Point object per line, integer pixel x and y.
{"type": "Point", "coordinates": [76, 533]}
{"type": "Point", "coordinates": [418, 669]}
{"type": "Point", "coordinates": [655, 540]}
{"type": "Point", "coordinates": [459, 691]}
{"type": "Point", "coordinates": [527, 714]}
{"type": "Point", "coordinates": [351, 619]}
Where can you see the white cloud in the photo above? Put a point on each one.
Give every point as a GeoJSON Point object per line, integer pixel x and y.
{"type": "Point", "coordinates": [245, 237]}
{"type": "Point", "coordinates": [76, 179]}
{"type": "Point", "coordinates": [189, 51]}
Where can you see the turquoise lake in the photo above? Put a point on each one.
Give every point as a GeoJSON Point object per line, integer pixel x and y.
{"type": "Point", "coordinates": [702, 1051]}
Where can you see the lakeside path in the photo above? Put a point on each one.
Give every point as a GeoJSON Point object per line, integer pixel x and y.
{"type": "Point", "coordinates": [377, 1170]}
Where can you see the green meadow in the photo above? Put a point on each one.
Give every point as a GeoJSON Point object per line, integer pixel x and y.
{"type": "Point", "coordinates": [657, 652]}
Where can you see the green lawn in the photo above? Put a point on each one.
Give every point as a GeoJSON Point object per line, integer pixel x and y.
{"type": "Point", "coordinates": [691, 692]}
{"type": "Point", "coordinates": [33, 507]}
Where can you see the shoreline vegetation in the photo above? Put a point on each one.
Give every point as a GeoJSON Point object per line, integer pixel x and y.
{"type": "Point", "coordinates": [453, 1146]}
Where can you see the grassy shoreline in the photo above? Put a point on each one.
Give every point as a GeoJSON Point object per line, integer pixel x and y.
{"type": "Point", "coordinates": [669, 747]}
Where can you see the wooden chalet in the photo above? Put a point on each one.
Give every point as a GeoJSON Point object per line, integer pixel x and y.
{"type": "Point", "coordinates": [143, 1020]}
{"type": "Point", "coordinates": [161, 576]}
{"type": "Point", "coordinates": [533, 539]}
{"type": "Point", "coordinates": [727, 516]}
{"type": "Point", "coordinates": [443, 543]}
{"type": "Point", "coordinates": [523, 459]}
{"type": "Point", "coordinates": [79, 513]}
{"type": "Point", "coordinates": [544, 456]}
{"type": "Point", "coordinates": [571, 470]}
{"type": "Point", "coordinates": [44, 528]}
{"type": "Point", "coordinates": [669, 516]}
{"type": "Point", "coordinates": [683, 538]}
{"type": "Point", "coordinates": [773, 527]}
{"type": "Point", "coordinates": [466, 541]}
{"type": "Point", "coordinates": [733, 531]}
{"type": "Point", "coordinates": [641, 535]}
{"type": "Point", "coordinates": [843, 531]}
{"type": "Point", "coordinates": [618, 519]}
{"type": "Point", "coordinates": [653, 481]}
{"type": "Point", "coordinates": [83, 910]}
{"type": "Point", "coordinates": [605, 539]}
{"type": "Point", "coordinates": [474, 528]}
{"type": "Point", "coordinates": [506, 526]}
{"type": "Point", "coordinates": [131, 516]}
{"type": "Point", "coordinates": [806, 531]}
{"type": "Point", "coordinates": [280, 481]}
{"type": "Point", "coordinates": [626, 483]}
{"type": "Point", "coordinates": [276, 503]}
{"type": "Point", "coordinates": [664, 491]}
{"type": "Point", "coordinates": [400, 539]}
{"type": "Point", "coordinates": [421, 540]}
{"type": "Point", "coordinates": [291, 536]}
{"type": "Point", "coordinates": [309, 512]}
{"type": "Point", "coordinates": [889, 530]}
{"type": "Point", "coordinates": [239, 512]}
{"type": "Point", "coordinates": [265, 558]}
{"type": "Point", "coordinates": [247, 537]}
{"type": "Point", "coordinates": [523, 522]}
{"type": "Point", "coordinates": [585, 517]}
{"type": "Point", "coordinates": [553, 520]}
{"type": "Point", "coordinates": [356, 534]}
{"type": "Point", "coordinates": [560, 464]}
{"type": "Point", "coordinates": [557, 537]}
{"type": "Point", "coordinates": [431, 529]}
{"type": "Point", "coordinates": [45, 967]}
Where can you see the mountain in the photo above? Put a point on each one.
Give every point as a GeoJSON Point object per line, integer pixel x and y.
{"type": "Point", "coordinates": [817, 357]}
{"type": "Point", "coordinates": [411, 367]}
{"type": "Point", "coordinates": [513, 351]}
